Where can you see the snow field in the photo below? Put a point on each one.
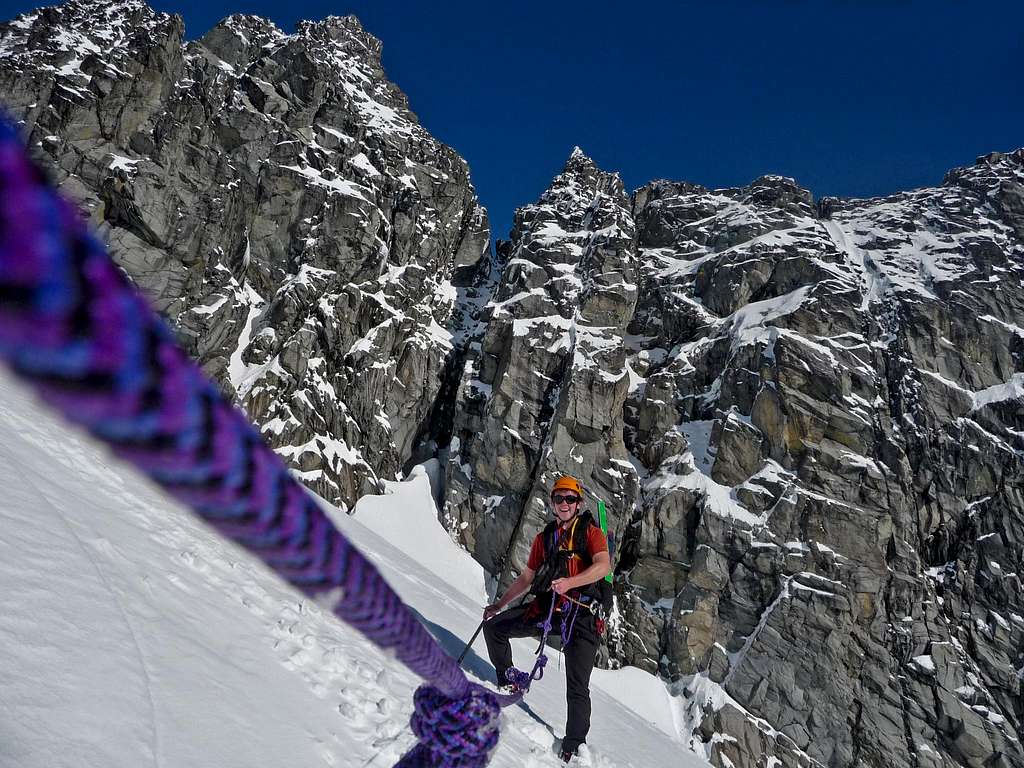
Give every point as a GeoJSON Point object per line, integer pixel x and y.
{"type": "Point", "coordinates": [133, 636]}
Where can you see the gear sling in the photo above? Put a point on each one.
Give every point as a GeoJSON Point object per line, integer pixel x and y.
{"type": "Point", "coordinates": [568, 556]}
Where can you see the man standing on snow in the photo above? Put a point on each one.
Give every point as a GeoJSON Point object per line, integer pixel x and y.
{"type": "Point", "coordinates": [567, 563]}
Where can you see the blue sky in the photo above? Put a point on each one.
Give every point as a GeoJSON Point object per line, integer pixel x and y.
{"type": "Point", "coordinates": [850, 98]}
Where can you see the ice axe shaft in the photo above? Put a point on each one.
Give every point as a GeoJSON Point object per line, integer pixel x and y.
{"type": "Point", "coordinates": [470, 643]}
{"type": "Point", "coordinates": [481, 626]}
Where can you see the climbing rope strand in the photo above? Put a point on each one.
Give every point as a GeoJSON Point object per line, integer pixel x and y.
{"type": "Point", "coordinates": [520, 680]}
{"type": "Point", "coordinates": [568, 624]}
{"type": "Point", "coordinates": [73, 326]}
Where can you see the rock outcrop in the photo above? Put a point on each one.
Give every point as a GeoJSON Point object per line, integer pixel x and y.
{"type": "Point", "coordinates": [816, 488]}
{"type": "Point", "coordinates": [277, 200]}
{"type": "Point", "coordinates": [546, 376]}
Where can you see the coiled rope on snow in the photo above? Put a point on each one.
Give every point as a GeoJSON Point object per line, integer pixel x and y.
{"type": "Point", "coordinates": [75, 328]}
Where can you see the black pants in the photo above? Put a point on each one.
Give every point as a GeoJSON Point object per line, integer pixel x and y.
{"type": "Point", "coordinates": [580, 655]}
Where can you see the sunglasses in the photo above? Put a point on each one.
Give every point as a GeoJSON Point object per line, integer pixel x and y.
{"type": "Point", "coordinates": [559, 499]}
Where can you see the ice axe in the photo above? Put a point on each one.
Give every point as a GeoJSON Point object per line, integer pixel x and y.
{"type": "Point", "coordinates": [479, 627]}
{"type": "Point", "coordinates": [470, 643]}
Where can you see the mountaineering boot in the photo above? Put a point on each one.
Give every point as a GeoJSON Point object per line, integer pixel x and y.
{"type": "Point", "coordinates": [579, 755]}
{"type": "Point", "coordinates": [509, 689]}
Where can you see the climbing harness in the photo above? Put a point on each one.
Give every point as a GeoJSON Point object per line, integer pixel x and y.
{"type": "Point", "coordinates": [75, 329]}
{"type": "Point", "coordinates": [586, 604]}
{"type": "Point", "coordinates": [558, 559]}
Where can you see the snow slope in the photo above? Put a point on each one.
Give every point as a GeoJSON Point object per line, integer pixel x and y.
{"type": "Point", "coordinates": [132, 636]}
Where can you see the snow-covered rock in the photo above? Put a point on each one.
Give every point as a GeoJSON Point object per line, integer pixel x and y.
{"type": "Point", "coordinates": [821, 435]}
{"type": "Point", "coordinates": [545, 379]}
{"type": "Point", "coordinates": [276, 198]}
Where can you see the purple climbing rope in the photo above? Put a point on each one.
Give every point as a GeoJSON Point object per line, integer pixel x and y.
{"type": "Point", "coordinates": [567, 625]}
{"type": "Point", "coordinates": [522, 680]}
{"type": "Point", "coordinates": [73, 326]}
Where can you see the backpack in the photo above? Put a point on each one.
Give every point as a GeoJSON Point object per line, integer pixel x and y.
{"type": "Point", "coordinates": [556, 561]}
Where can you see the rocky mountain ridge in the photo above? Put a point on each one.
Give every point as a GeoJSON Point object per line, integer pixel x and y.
{"type": "Point", "coordinates": [805, 416]}
{"type": "Point", "coordinates": [278, 201]}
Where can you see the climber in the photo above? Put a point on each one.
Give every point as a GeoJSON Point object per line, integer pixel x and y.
{"type": "Point", "coordinates": [568, 563]}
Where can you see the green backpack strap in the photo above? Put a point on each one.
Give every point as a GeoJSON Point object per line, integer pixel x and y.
{"type": "Point", "coordinates": [604, 529]}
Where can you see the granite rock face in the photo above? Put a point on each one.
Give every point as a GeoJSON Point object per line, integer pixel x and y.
{"type": "Point", "coordinates": [277, 200]}
{"type": "Point", "coordinates": [546, 377]}
{"type": "Point", "coordinates": [806, 417]}
{"type": "Point", "coordinates": [824, 533]}
{"type": "Point", "coordinates": [816, 490]}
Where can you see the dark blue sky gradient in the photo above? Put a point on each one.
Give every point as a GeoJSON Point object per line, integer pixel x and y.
{"type": "Point", "coordinates": [850, 98]}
